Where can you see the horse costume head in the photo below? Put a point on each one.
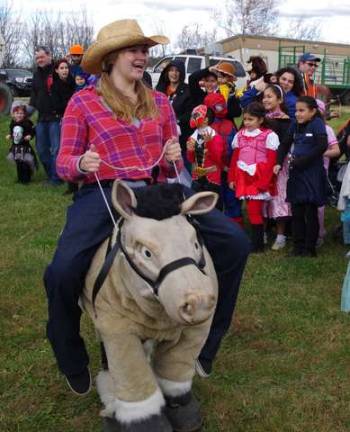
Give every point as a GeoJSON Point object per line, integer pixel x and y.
{"type": "Point", "coordinates": [163, 251]}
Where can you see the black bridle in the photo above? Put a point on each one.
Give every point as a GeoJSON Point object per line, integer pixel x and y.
{"type": "Point", "coordinates": [154, 284]}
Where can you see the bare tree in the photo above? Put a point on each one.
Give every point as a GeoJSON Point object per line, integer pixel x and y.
{"type": "Point", "coordinates": [303, 28]}
{"type": "Point", "coordinates": [11, 30]}
{"type": "Point", "coordinates": [193, 36]}
{"type": "Point", "coordinates": [57, 31]}
{"type": "Point", "coordinates": [256, 17]}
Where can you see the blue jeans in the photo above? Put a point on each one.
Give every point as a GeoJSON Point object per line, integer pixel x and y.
{"type": "Point", "coordinates": [48, 136]}
{"type": "Point", "coordinates": [64, 277]}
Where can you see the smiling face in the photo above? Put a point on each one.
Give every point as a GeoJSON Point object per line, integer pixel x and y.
{"type": "Point", "coordinates": [286, 81]}
{"type": "Point", "coordinates": [210, 83]}
{"type": "Point", "coordinates": [308, 67]}
{"type": "Point", "coordinates": [270, 100]}
{"type": "Point", "coordinates": [174, 75]}
{"type": "Point", "coordinates": [303, 113]}
{"type": "Point", "coordinates": [18, 115]}
{"type": "Point", "coordinates": [131, 63]}
{"type": "Point", "coordinates": [62, 71]}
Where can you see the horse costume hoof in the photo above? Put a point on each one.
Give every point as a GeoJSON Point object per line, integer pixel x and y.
{"type": "Point", "coordinates": [183, 413]}
{"type": "Point", "coordinates": [110, 425]}
{"type": "Point", "coordinates": [156, 423]}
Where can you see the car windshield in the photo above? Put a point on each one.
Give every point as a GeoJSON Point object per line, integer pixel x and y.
{"type": "Point", "coordinates": [13, 73]}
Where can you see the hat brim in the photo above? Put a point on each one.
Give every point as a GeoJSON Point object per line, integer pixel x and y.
{"type": "Point", "coordinates": [218, 69]}
{"type": "Point", "coordinates": [93, 56]}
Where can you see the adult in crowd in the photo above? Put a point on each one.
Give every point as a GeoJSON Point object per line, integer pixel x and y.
{"type": "Point", "coordinates": [291, 84]}
{"type": "Point", "coordinates": [75, 57]}
{"type": "Point", "coordinates": [172, 83]}
{"type": "Point", "coordinates": [307, 65]}
{"type": "Point", "coordinates": [47, 140]}
{"type": "Point", "coordinates": [62, 90]}
{"type": "Point", "coordinates": [121, 102]}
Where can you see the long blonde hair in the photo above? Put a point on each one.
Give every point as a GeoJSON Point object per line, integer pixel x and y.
{"type": "Point", "coordinates": [121, 104]}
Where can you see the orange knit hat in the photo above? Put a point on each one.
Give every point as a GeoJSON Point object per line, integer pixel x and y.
{"type": "Point", "coordinates": [76, 50]}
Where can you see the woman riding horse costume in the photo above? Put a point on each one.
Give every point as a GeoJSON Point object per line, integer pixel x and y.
{"type": "Point", "coordinates": [120, 130]}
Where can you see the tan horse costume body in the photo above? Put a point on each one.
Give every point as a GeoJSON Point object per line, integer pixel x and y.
{"type": "Point", "coordinates": [137, 392]}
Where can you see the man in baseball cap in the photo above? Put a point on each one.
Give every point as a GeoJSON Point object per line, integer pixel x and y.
{"type": "Point", "coordinates": [307, 65]}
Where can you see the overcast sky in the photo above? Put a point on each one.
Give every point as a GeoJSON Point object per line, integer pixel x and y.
{"type": "Point", "coordinates": [169, 16]}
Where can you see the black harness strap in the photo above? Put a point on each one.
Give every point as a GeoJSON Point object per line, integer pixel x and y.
{"type": "Point", "coordinates": [174, 265]}
{"type": "Point", "coordinates": [110, 256]}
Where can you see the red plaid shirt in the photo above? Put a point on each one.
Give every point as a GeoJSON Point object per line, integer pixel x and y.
{"type": "Point", "coordinates": [88, 121]}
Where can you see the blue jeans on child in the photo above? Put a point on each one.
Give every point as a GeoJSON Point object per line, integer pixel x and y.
{"type": "Point", "coordinates": [48, 134]}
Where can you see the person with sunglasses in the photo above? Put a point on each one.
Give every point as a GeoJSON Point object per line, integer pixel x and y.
{"type": "Point", "coordinates": [307, 65]}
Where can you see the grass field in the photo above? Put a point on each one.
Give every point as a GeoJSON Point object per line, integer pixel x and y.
{"type": "Point", "coordinates": [284, 365]}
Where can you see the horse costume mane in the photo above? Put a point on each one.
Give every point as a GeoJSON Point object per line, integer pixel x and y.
{"type": "Point", "coordinates": [159, 201]}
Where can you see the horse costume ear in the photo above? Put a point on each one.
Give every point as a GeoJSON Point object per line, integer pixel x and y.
{"type": "Point", "coordinates": [123, 199]}
{"type": "Point", "coordinates": [200, 203]}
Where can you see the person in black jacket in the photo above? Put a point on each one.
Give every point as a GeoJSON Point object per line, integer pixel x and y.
{"type": "Point", "coordinates": [63, 87]}
{"type": "Point", "coordinates": [47, 141]}
{"type": "Point", "coordinates": [172, 83]}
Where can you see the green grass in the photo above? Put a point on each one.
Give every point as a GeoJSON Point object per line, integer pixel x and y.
{"type": "Point", "coordinates": [284, 365]}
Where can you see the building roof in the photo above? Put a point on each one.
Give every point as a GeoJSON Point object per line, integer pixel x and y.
{"type": "Point", "coordinates": [273, 43]}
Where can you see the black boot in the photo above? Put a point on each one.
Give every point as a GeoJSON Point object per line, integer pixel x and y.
{"type": "Point", "coordinates": [155, 423]}
{"type": "Point", "coordinates": [257, 238]}
{"type": "Point", "coordinates": [183, 413]}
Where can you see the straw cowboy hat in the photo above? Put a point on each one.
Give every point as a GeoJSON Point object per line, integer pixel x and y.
{"type": "Point", "coordinates": [115, 36]}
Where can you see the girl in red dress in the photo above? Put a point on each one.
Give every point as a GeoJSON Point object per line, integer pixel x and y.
{"type": "Point", "coordinates": [251, 169]}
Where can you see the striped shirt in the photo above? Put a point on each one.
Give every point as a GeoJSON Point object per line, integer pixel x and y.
{"type": "Point", "coordinates": [87, 120]}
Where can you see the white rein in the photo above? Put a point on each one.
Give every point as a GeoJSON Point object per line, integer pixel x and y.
{"type": "Point", "coordinates": [128, 169]}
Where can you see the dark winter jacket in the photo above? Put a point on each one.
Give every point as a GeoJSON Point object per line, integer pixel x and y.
{"type": "Point", "coordinates": [61, 92]}
{"type": "Point", "coordinates": [41, 93]}
{"type": "Point", "coordinates": [180, 100]}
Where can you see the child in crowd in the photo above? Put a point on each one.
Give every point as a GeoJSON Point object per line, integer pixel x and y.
{"type": "Point", "coordinates": [205, 150]}
{"type": "Point", "coordinates": [21, 152]}
{"type": "Point", "coordinates": [251, 169]}
{"type": "Point", "coordinates": [225, 128]}
{"type": "Point", "coordinates": [277, 208]}
{"type": "Point", "coordinates": [306, 187]}
{"type": "Point", "coordinates": [332, 151]}
{"type": "Point", "coordinates": [226, 78]}
{"type": "Point", "coordinates": [80, 81]}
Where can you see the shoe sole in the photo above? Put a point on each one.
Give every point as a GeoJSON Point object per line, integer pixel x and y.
{"type": "Point", "coordinates": [80, 394]}
{"type": "Point", "coordinates": [200, 371]}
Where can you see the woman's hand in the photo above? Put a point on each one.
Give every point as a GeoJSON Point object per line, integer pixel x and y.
{"type": "Point", "coordinates": [276, 169]}
{"type": "Point", "coordinates": [90, 161]}
{"type": "Point", "coordinates": [231, 185]}
{"type": "Point", "coordinates": [172, 150]}
{"type": "Point", "coordinates": [27, 138]}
